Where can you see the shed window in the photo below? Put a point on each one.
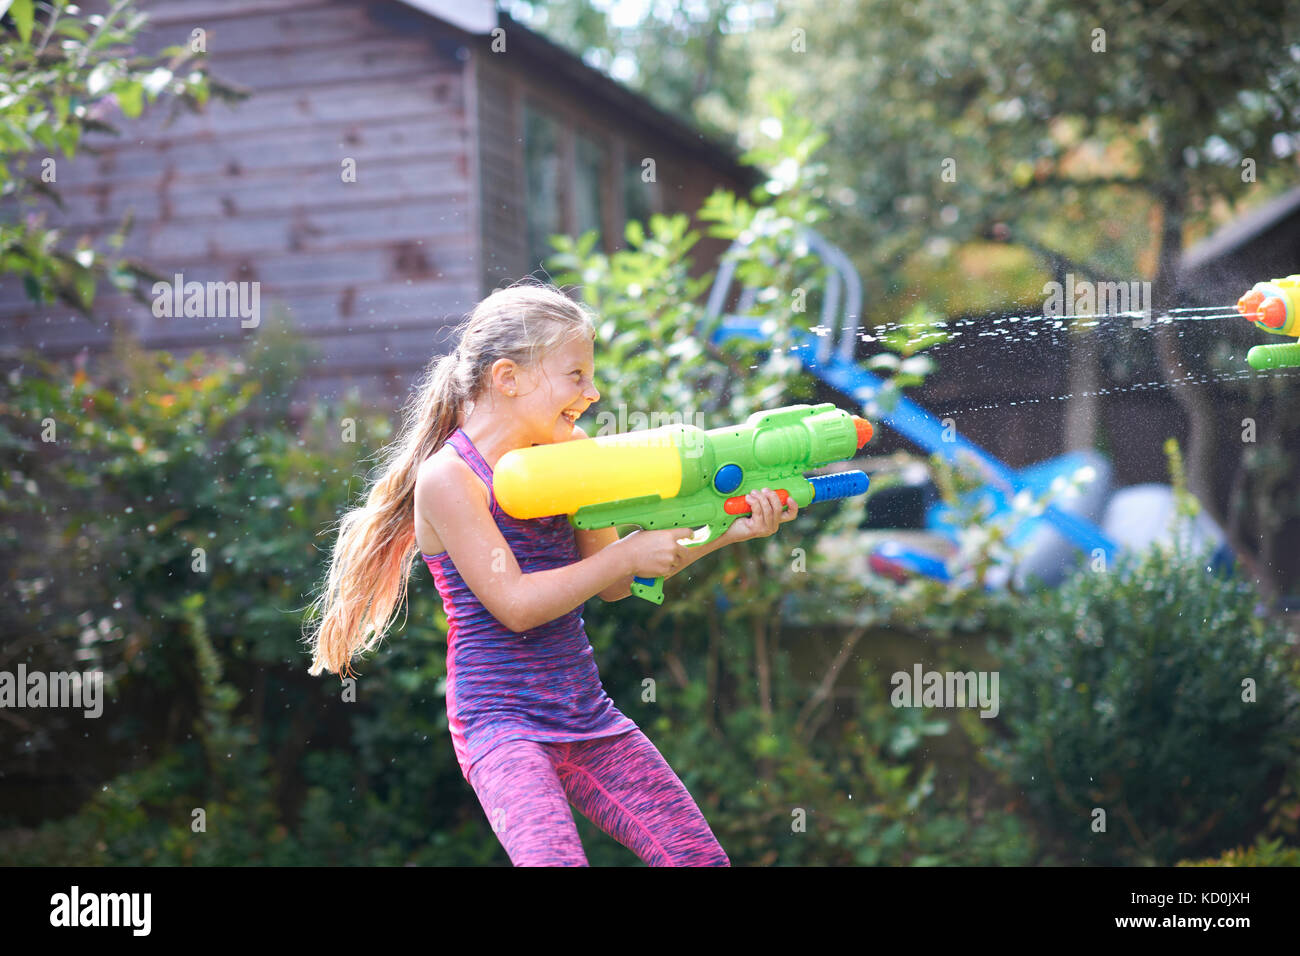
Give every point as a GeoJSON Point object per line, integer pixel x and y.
{"type": "Point", "coordinates": [637, 202]}
{"type": "Point", "coordinates": [591, 160]}
{"type": "Point", "coordinates": [545, 183]}
{"type": "Point", "coordinates": [574, 184]}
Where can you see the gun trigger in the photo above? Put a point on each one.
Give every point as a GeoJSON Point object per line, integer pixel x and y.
{"type": "Point", "coordinates": [699, 536]}
{"type": "Point", "coordinates": [714, 532]}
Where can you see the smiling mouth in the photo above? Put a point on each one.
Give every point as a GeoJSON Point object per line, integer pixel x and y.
{"type": "Point", "coordinates": [571, 417]}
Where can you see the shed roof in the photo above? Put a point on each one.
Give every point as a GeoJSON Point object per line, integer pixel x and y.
{"type": "Point", "coordinates": [1241, 231]}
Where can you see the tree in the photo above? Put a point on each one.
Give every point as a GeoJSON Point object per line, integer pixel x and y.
{"type": "Point", "coordinates": [688, 58]}
{"type": "Point", "coordinates": [1008, 119]}
{"type": "Point", "coordinates": [64, 74]}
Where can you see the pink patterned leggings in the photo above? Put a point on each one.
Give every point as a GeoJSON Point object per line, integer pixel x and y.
{"type": "Point", "coordinates": [621, 783]}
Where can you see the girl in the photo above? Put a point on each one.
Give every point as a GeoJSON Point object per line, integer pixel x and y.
{"type": "Point", "coordinates": [531, 724]}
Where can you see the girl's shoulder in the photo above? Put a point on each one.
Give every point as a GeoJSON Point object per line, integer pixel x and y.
{"type": "Point", "coordinates": [444, 466]}
{"type": "Point", "coordinates": [443, 470]}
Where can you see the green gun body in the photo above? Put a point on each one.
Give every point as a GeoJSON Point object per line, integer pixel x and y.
{"type": "Point", "coordinates": [772, 449]}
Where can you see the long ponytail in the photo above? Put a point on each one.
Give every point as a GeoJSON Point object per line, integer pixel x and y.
{"type": "Point", "coordinates": [365, 585]}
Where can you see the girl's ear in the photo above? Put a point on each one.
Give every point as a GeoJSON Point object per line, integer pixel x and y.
{"type": "Point", "coordinates": [505, 377]}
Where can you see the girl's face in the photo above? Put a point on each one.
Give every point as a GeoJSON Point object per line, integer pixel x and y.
{"type": "Point", "coordinates": [553, 397]}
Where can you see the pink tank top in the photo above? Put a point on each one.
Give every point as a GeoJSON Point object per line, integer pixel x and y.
{"type": "Point", "coordinates": [540, 684]}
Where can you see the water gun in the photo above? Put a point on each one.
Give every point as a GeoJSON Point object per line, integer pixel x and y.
{"type": "Point", "coordinates": [1275, 307]}
{"type": "Point", "coordinates": [682, 476]}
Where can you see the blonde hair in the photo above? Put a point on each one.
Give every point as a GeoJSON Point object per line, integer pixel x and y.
{"type": "Point", "coordinates": [371, 562]}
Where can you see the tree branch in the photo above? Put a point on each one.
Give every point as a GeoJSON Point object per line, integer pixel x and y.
{"type": "Point", "coordinates": [827, 683]}
{"type": "Point", "coordinates": [1057, 261]}
{"type": "Point", "coordinates": [1064, 182]}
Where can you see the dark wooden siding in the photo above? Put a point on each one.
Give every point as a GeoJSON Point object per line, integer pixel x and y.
{"type": "Point", "coordinates": [371, 270]}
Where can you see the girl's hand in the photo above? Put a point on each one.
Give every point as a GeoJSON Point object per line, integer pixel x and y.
{"type": "Point", "coordinates": [654, 554]}
{"type": "Point", "coordinates": [765, 517]}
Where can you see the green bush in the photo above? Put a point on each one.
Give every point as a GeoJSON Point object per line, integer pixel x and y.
{"type": "Point", "coordinates": [1263, 853]}
{"type": "Point", "coordinates": [790, 779]}
{"type": "Point", "coordinates": [1152, 692]}
{"type": "Point", "coordinates": [161, 523]}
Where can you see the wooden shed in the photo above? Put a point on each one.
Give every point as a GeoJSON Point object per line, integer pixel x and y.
{"type": "Point", "coordinates": [396, 161]}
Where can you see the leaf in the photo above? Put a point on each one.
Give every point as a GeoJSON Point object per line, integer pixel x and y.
{"type": "Point", "coordinates": [130, 97]}
{"type": "Point", "coordinates": [157, 81]}
{"type": "Point", "coordinates": [635, 233]}
{"type": "Point", "coordinates": [917, 365]}
{"type": "Point", "coordinates": [122, 278]}
{"type": "Point", "coordinates": [18, 135]}
{"type": "Point", "coordinates": [68, 137]}
{"type": "Point", "coordinates": [71, 28]}
{"type": "Point", "coordinates": [24, 14]}
{"type": "Point", "coordinates": [85, 283]}
{"type": "Point", "coordinates": [99, 78]}
{"type": "Point", "coordinates": [197, 88]}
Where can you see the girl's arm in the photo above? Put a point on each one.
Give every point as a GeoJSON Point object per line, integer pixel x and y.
{"type": "Point", "coordinates": [764, 520]}
{"type": "Point", "coordinates": [592, 542]}
{"type": "Point", "coordinates": [454, 501]}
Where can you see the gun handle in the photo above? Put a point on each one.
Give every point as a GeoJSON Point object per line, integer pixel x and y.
{"type": "Point", "coordinates": [652, 589]}
{"type": "Point", "coordinates": [649, 589]}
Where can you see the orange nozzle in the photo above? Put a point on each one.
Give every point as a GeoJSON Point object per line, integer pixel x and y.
{"type": "Point", "coordinates": [1272, 312]}
{"type": "Point", "coordinates": [864, 430]}
{"type": "Point", "coordinates": [1248, 304]}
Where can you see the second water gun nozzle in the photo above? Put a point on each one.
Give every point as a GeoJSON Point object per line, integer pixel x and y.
{"type": "Point", "coordinates": [1248, 304]}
